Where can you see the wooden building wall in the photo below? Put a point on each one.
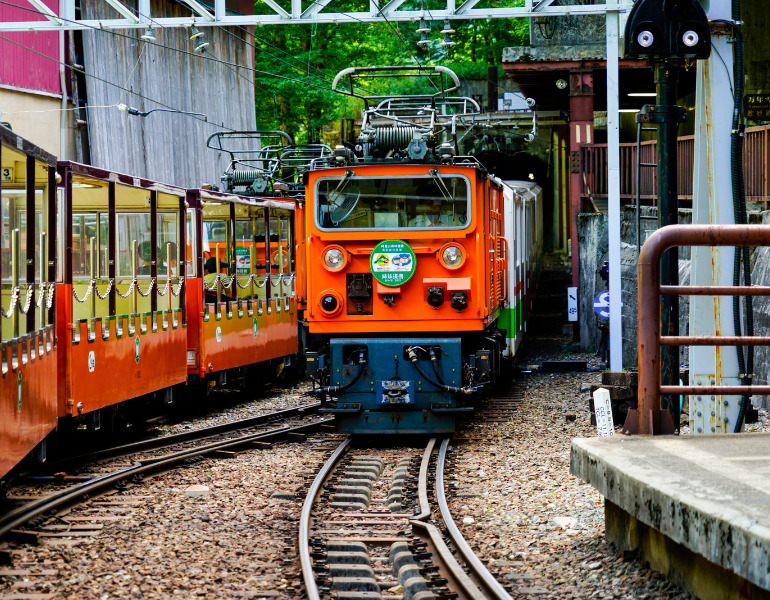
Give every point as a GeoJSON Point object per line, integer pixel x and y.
{"type": "Point", "coordinates": [165, 146]}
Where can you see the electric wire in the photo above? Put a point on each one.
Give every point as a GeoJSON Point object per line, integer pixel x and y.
{"type": "Point", "coordinates": [96, 77]}
{"type": "Point", "coordinates": [179, 50]}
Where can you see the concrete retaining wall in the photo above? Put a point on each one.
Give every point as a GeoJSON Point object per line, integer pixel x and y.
{"type": "Point", "coordinates": [593, 248]}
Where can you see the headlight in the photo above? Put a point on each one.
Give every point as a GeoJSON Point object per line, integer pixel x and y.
{"type": "Point", "coordinates": [452, 256]}
{"type": "Point", "coordinates": [334, 258]}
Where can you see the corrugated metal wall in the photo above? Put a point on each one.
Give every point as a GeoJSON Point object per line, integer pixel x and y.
{"type": "Point", "coordinates": [165, 146]}
{"type": "Point", "coordinates": [33, 64]}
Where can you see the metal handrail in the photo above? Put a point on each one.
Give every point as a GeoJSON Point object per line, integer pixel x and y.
{"type": "Point", "coordinates": [650, 290]}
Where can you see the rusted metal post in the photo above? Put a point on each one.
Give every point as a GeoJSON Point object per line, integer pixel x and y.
{"type": "Point", "coordinates": [649, 333]}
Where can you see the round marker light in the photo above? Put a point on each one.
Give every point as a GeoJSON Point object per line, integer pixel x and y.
{"type": "Point", "coordinates": [452, 256]}
{"type": "Point", "coordinates": [690, 39]}
{"type": "Point", "coordinates": [334, 258]}
{"type": "Point", "coordinates": [329, 304]}
{"type": "Point", "coordinates": [645, 39]}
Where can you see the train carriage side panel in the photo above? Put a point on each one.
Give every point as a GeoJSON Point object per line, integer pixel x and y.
{"type": "Point", "coordinates": [528, 216]}
{"type": "Point", "coordinates": [122, 327]}
{"type": "Point", "coordinates": [508, 319]}
{"type": "Point", "coordinates": [251, 316]}
{"type": "Point", "coordinates": [28, 352]}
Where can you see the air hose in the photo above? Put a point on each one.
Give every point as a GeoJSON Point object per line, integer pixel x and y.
{"type": "Point", "coordinates": [446, 388]}
{"type": "Point", "coordinates": [333, 390]}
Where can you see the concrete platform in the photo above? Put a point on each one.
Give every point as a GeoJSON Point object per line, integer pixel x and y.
{"type": "Point", "coordinates": [698, 508]}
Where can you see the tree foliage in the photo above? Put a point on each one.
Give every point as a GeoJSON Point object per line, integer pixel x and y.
{"type": "Point", "coordinates": [296, 64]}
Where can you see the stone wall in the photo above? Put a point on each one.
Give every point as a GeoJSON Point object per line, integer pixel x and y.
{"type": "Point", "coordinates": [760, 275]}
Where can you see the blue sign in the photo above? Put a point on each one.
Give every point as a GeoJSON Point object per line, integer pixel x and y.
{"type": "Point", "coordinates": [602, 304]}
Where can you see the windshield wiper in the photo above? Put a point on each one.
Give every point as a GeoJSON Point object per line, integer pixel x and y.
{"type": "Point", "coordinates": [441, 185]}
{"type": "Point", "coordinates": [342, 184]}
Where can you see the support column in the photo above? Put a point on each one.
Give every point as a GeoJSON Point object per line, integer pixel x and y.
{"type": "Point", "coordinates": [668, 204]}
{"type": "Point", "coordinates": [561, 192]}
{"type": "Point", "coordinates": [581, 116]}
{"type": "Point", "coordinates": [713, 203]}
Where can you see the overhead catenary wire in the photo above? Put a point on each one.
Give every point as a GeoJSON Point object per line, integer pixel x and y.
{"type": "Point", "coordinates": [171, 48]}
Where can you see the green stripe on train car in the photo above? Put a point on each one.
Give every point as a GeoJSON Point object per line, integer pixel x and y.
{"type": "Point", "coordinates": [510, 320]}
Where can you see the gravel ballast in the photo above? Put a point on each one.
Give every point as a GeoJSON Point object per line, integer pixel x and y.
{"type": "Point", "coordinates": [227, 528]}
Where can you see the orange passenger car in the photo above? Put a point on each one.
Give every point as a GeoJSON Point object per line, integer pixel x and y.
{"type": "Point", "coordinates": [121, 316]}
{"type": "Point", "coordinates": [28, 347]}
{"type": "Point", "coordinates": [241, 291]}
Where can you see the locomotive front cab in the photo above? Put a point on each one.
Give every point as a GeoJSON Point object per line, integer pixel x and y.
{"type": "Point", "coordinates": [405, 281]}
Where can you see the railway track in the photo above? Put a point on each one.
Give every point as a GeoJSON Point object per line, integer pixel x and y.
{"type": "Point", "coordinates": [376, 525]}
{"type": "Point", "coordinates": [148, 457]}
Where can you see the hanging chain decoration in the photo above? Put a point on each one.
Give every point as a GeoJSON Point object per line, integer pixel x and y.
{"type": "Point", "coordinates": [247, 284]}
{"type": "Point", "coordinates": [170, 287]}
{"type": "Point", "coordinates": [106, 292]}
{"type": "Point", "coordinates": [165, 289]}
{"type": "Point", "coordinates": [51, 289]}
{"type": "Point", "coordinates": [213, 286]}
{"type": "Point", "coordinates": [229, 284]}
{"type": "Point", "coordinates": [128, 292]}
{"type": "Point", "coordinates": [149, 288]}
{"type": "Point", "coordinates": [88, 292]}
{"type": "Point", "coordinates": [43, 293]}
{"type": "Point", "coordinates": [28, 302]}
{"type": "Point", "coordinates": [14, 299]}
{"type": "Point", "coordinates": [178, 288]}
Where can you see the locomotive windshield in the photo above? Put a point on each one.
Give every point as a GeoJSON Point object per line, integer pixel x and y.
{"type": "Point", "coordinates": [423, 202]}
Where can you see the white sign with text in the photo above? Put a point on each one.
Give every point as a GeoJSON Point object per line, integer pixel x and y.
{"type": "Point", "coordinates": [603, 412]}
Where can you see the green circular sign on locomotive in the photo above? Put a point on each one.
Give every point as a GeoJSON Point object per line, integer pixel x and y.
{"type": "Point", "coordinates": [392, 263]}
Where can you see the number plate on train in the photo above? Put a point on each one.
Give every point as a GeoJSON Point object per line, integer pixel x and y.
{"type": "Point", "coordinates": [396, 392]}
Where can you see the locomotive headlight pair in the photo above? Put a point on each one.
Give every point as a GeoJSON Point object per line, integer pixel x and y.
{"type": "Point", "coordinates": [452, 256]}
{"type": "Point", "coordinates": [334, 258]}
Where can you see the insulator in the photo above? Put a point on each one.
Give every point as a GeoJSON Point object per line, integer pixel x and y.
{"type": "Point", "coordinates": [393, 138]}
{"type": "Point", "coordinates": [245, 176]}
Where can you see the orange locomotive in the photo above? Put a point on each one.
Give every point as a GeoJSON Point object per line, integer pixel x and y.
{"type": "Point", "coordinates": [408, 269]}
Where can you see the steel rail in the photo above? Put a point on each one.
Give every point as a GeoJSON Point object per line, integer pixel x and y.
{"type": "Point", "coordinates": [185, 436]}
{"type": "Point", "coordinates": [41, 506]}
{"type": "Point", "coordinates": [306, 562]}
{"type": "Point", "coordinates": [479, 570]}
{"type": "Point", "coordinates": [443, 552]}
